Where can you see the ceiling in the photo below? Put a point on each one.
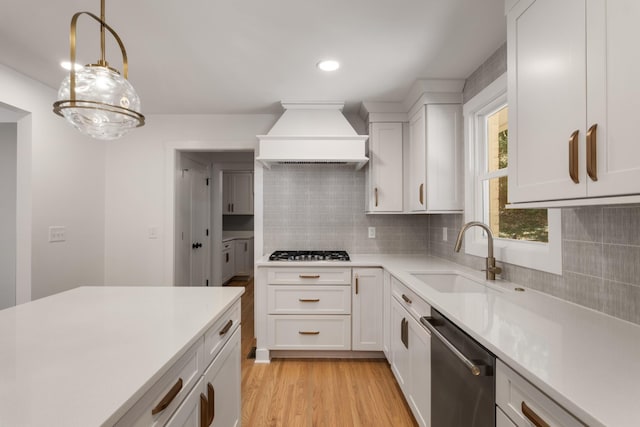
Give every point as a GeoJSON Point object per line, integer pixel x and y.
{"type": "Point", "coordinates": [244, 56]}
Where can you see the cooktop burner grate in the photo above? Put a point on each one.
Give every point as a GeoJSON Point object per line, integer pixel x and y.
{"type": "Point", "coordinates": [309, 256]}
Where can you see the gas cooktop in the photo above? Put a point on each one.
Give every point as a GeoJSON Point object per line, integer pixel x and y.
{"type": "Point", "coordinates": [309, 256]}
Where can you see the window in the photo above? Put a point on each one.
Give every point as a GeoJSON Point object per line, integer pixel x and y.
{"type": "Point", "coordinates": [526, 237]}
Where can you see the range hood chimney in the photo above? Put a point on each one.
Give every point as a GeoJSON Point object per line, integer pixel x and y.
{"type": "Point", "coordinates": [312, 133]}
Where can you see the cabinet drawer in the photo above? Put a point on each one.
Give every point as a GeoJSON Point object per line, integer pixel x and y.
{"type": "Point", "coordinates": [310, 332]}
{"type": "Point", "coordinates": [219, 333]}
{"type": "Point", "coordinates": [173, 387]}
{"type": "Point", "coordinates": [515, 396]}
{"type": "Point", "coordinates": [309, 276]}
{"type": "Point", "coordinates": [409, 299]}
{"type": "Point", "coordinates": [329, 299]}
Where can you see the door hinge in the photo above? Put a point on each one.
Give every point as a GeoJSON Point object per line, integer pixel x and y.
{"type": "Point", "coordinates": [207, 231]}
{"type": "Point", "coordinates": [207, 284]}
{"type": "Point", "coordinates": [207, 181]}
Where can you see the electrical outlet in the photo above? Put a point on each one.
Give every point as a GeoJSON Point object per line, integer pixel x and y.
{"type": "Point", "coordinates": [444, 234]}
{"type": "Point", "coordinates": [372, 232]}
{"type": "Point", "coordinates": [57, 233]}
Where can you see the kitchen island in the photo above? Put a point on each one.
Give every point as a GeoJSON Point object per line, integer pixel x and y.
{"type": "Point", "coordinates": [584, 360]}
{"type": "Point", "coordinates": [87, 356]}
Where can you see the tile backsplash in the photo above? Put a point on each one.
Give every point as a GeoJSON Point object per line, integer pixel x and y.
{"type": "Point", "coordinates": [322, 207]}
{"type": "Point", "coordinates": [600, 258]}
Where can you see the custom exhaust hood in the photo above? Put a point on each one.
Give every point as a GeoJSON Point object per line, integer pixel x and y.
{"type": "Point", "coordinates": [312, 133]}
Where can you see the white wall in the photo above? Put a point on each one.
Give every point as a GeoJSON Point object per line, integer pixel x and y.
{"type": "Point", "coordinates": [60, 180]}
{"type": "Point", "coordinates": [139, 172]}
{"type": "Point", "coordinates": [8, 141]}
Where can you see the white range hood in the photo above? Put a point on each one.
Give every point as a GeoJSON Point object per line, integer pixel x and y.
{"type": "Point", "coordinates": [312, 133]}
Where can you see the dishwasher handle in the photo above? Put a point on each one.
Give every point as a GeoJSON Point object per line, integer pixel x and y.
{"type": "Point", "coordinates": [475, 368]}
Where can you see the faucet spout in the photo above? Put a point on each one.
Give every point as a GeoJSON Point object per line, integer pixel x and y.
{"type": "Point", "coordinates": [491, 269]}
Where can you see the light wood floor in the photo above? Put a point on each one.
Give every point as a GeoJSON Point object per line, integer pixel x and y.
{"type": "Point", "coordinates": [316, 392]}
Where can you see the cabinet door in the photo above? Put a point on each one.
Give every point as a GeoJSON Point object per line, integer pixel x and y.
{"type": "Point", "coordinates": [367, 305]}
{"type": "Point", "coordinates": [417, 162]}
{"type": "Point", "coordinates": [241, 251]}
{"type": "Point", "coordinates": [222, 383]}
{"type": "Point", "coordinates": [547, 98]}
{"type": "Point", "coordinates": [399, 352]}
{"type": "Point", "coordinates": [189, 413]}
{"type": "Point", "coordinates": [227, 192]}
{"type": "Point", "coordinates": [242, 203]}
{"type": "Point", "coordinates": [444, 157]}
{"type": "Point", "coordinates": [228, 262]}
{"type": "Point", "coordinates": [613, 67]}
{"type": "Point", "coordinates": [386, 315]}
{"type": "Point", "coordinates": [385, 166]}
{"type": "Point", "coordinates": [420, 362]}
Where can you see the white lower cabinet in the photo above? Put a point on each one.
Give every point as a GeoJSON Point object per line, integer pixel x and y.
{"type": "Point", "coordinates": [222, 381]}
{"type": "Point", "coordinates": [525, 405]}
{"type": "Point", "coordinates": [411, 361]}
{"type": "Point", "coordinates": [243, 257]}
{"type": "Point", "coordinates": [367, 308]}
{"type": "Point", "coordinates": [192, 394]}
{"type": "Point", "coordinates": [309, 309]}
{"type": "Point", "coordinates": [228, 260]}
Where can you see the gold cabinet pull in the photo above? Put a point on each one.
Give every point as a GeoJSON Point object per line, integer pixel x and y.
{"type": "Point", "coordinates": [573, 157]}
{"type": "Point", "coordinates": [309, 299]}
{"type": "Point", "coordinates": [376, 193]}
{"type": "Point", "coordinates": [406, 299]}
{"type": "Point", "coordinates": [203, 410]}
{"type": "Point", "coordinates": [168, 398]}
{"type": "Point", "coordinates": [226, 327]}
{"type": "Point", "coordinates": [592, 155]}
{"type": "Point", "coordinates": [421, 195]}
{"type": "Point", "coordinates": [211, 411]}
{"type": "Point", "coordinates": [309, 276]}
{"type": "Point", "coordinates": [309, 332]}
{"type": "Point", "coordinates": [533, 417]}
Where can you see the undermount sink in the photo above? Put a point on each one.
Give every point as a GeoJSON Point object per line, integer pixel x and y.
{"type": "Point", "coordinates": [450, 283]}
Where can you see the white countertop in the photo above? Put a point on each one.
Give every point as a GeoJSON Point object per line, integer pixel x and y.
{"type": "Point", "coordinates": [585, 360]}
{"type": "Point", "coordinates": [233, 235]}
{"type": "Point", "coordinates": [83, 357]}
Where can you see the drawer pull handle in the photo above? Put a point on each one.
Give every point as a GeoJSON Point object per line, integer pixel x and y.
{"type": "Point", "coordinates": [357, 286]}
{"type": "Point", "coordinates": [376, 191]}
{"type": "Point", "coordinates": [168, 398]}
{"type": "Point", "coordinates": [421, 190]}
{"type": "Point", "coordinates": [309, 276]}
{"type": "Point", "coordinates": [533, 417]}
{"type": "Point", "coordinates": [309, 332]}
{"type": "Point", "coordinates": [212, 404]}
{"type": "Point", "coordinates": [203, 410]}
{"type": "Point", "coordinates": [226, 327]}
{"type": "Point", "coordinates": [309, 299]}
{"type": "Point", "coordinates": [406, 299]}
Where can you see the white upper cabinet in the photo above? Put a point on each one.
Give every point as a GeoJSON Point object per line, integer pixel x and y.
{"type": "Point", "coordinates": [384, 178]}
{"type": "Point", "coordinates": [237, 194]}
{"type": "Point", "coordinates": [436, 159]}
{"type": "Point", "coordinates": [573, 92]}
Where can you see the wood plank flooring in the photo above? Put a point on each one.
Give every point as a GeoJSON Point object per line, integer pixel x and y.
{"type": "Point", "coordinates": [316, 392]}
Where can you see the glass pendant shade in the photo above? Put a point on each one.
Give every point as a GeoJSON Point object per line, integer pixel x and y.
{"type": "Point", "coordinates": [96, 99]}
{"type": "Point", "coordinates": [106, 105]}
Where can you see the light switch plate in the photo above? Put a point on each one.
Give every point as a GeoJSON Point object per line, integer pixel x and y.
{"type": "Point", "coordinates": [57, 233]}
{"type": "Point", "coordinates": [153, 232]}
{"type": "Point", "coordinates": [372, 232]}
{"type": "Point", "coordinates": [444, 234]}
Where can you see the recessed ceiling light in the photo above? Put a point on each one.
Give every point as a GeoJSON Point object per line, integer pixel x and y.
{"type": "Point", "coordinates": [67, 66]}
{"type": "Point", "coordinates": [328, 65]}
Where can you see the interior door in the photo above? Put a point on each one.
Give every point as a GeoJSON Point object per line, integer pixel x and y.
{"type": "Point", "coordinates": [192, 247]}
{"type": "Point", "coordinates": [199, 220]}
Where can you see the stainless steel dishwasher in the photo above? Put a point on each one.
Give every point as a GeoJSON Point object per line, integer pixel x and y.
{"type": "Point", "coordinates": [462, 377]}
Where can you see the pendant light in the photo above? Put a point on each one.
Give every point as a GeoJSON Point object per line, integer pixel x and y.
{"type": "Point", "coordinates": [96, 99]}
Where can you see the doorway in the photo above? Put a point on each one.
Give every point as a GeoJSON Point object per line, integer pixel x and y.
{"type": "Point", "coordinates": [226, 249]}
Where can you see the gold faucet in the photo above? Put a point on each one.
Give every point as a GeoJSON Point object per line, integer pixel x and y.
{"type": "Point", "coordinates": [491, 269]}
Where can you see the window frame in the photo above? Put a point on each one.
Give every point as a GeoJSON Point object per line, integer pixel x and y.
{"type": "Point", "coordinates": [536, 255]}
